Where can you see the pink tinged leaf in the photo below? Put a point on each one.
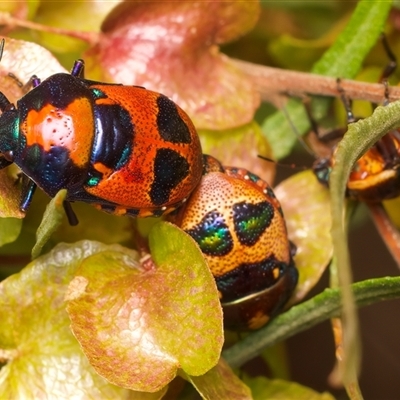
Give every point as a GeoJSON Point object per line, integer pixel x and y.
{"type": "Point", "coordinates": [172, 48]}
{"type": "Point", "coordinates": [44, 359]}
{"type": "Point", "coordinates": [138, 327]}
{"type": "Point", "coordinates": [241, 147]}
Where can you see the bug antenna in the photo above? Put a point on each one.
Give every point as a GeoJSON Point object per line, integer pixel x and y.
{"type": "Point", "coordinates": [2, 43]}
{"type": "Point", "coordinates": [297, 133]}
{"type": "Point", "coordinates": [390, 68]}
{"type": "Point", "coordinates": [291, 166]}
{"type": "Point", "coordinates": [392, 63]}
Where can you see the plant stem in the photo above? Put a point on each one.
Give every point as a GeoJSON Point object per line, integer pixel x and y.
{"type": "Point", "coordinates": [90, 37]}
{"type": "Point", "coordinates": [387, 230]}
{"type": "Point", "coordinates": [270, 81]}
{"type": "Point", "coordinates": [324, 306]}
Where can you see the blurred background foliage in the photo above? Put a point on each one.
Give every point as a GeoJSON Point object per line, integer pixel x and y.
{"type": "Point", "coordinates": [290, 35]}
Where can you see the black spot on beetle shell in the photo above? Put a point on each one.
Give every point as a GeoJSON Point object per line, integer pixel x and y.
{"type": "Point", "coordinates": [250, 278]}
{"type": "Point", "coordinates": [170, 168]}
{"type": "Point", "coordinates": [171, 126]}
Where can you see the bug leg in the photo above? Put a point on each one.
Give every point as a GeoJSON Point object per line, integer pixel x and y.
{"type": "Point", "coordinates": [70, 213]}
{"type": "Point", "coordinates": [2, 43]}
{"type": "Point", "coordinates": [386, 145]}
{"type": "Point", "coordinates": [313, 122]}
{"type": "Point", "coordinates": [388, 70]}
{"type": "Point", "coordinates": [28, 189]}
{"type": "Point", "coordinates": [332, 135]}
{"type": "Point", "coordinates": [78, 69]}
{"type": "Point", "coordinates": [33, 82]}
{"type": "Point", "coordinates": [392, 64]}
{"type": "Point", "coordinates": [346, 102]}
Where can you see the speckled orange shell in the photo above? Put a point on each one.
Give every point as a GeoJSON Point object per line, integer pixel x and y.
{"type": "Point", "coordinates": [220, 191]}
{"type": "Point", "coordinates": [238, 224]}
{"type": "Point", "coordinates": [124, 149]}
{"type": "Point", "coordinates": [130, 186]}
{"type": "Point", "coordinates": [376, 175]}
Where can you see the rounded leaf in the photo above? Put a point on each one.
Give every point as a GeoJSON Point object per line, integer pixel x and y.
{"type": "Point", "coordinates": [23, 60]}
{"type": "Point", "coordinates": [10, 229]}
{"type": "Point", "coordinates": [51, 220]}
{"type": "Point", "coordinates": [221, 383]}
{"type": "Point", "coordinates": [10, 194]}
{"type": "Point", "coordinates": [171, 48]}
{"type": "Point", "coordinates": [137, 327]}
{"type": "Point", "coordinates": [306, 206]}
{"type": "Point", "coordinates": [44, 360]}
{"type": "Point", "coordinates": [277, 389]}
{"type": "Point", "coordinates": [240, 147]}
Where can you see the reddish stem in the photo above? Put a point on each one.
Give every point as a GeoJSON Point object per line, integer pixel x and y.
{"type": "Point", "coordinates": [90, 37]}
{"type": "Point", "coordinates": [387, 230]}
{"type": "Point", "coordinates": [270, 81]}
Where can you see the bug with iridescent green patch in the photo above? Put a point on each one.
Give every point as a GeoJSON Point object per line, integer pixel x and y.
{"type": "Point", "coordinates": [124, 149]}
{"type": "Point", "coordinates": [238, 223]}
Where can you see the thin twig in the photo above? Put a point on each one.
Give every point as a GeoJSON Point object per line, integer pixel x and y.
{"type": "Point", "coordinates": [270, 81]}
{"type": "Point", "coordinates": [303, 316]}
{"type": "Point", "coordinates": [90, 37]}
{"type": "Point", "coordinates": [388, 232]}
